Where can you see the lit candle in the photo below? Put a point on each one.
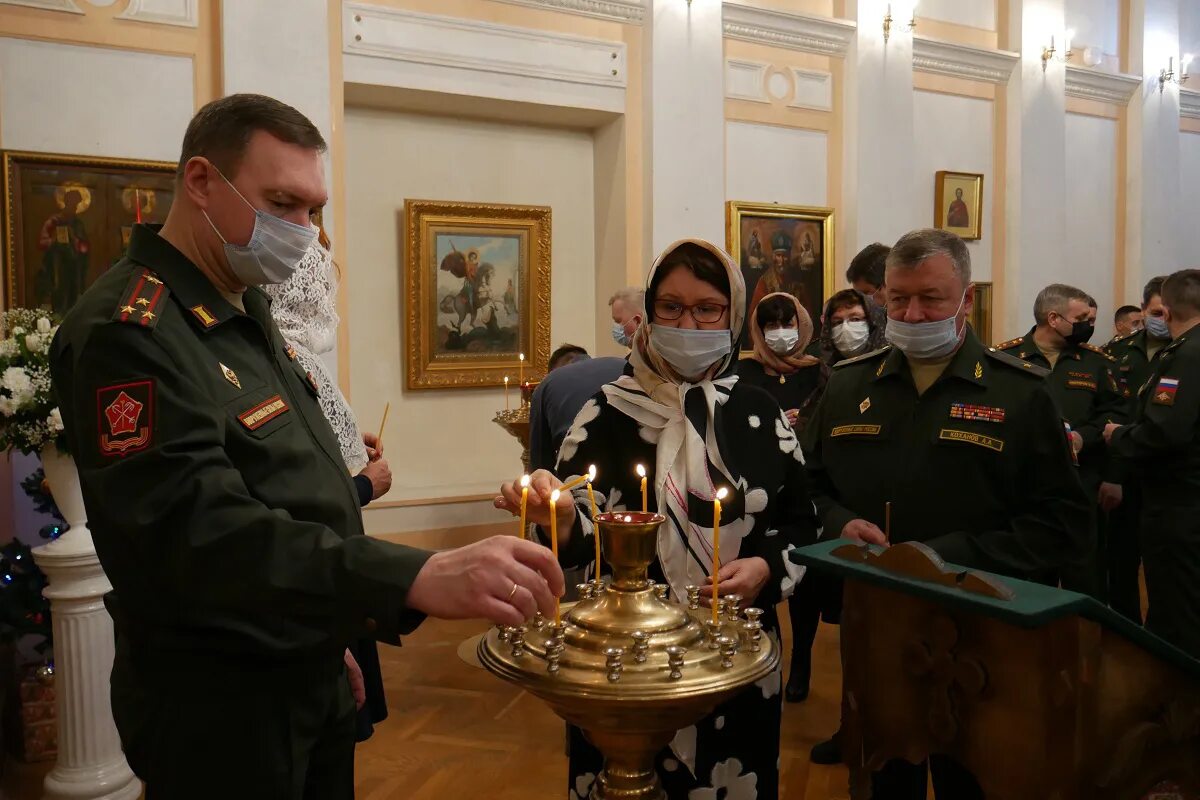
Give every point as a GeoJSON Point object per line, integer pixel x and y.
{"type": "Point", "coordinates": [554, 545]}
{"type": "Point", "coordinates": [524, 500]}
{"type": "Point", "coordinates": [591, 476]}
{"type": "Point", "coordinates": [641, 471]}
{"type": "Point", "coordinates": [521, 374]}
{"type": "Point", "coordinates": [506, 393]}
{"type": "Point", "coordinates": [717, 551]}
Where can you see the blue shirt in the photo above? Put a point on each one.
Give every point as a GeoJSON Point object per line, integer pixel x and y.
{"type": "Point", "coordinates": [557, 400]}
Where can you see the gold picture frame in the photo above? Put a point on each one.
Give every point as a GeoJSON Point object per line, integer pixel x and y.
{"type": "Point", "coordinates": [958, 203]}
{"type": "Point", "coordinates": [477, 293]}
{"type": "Point", "coordinates": [981, 313]}
{"type": "Point", "coordinates": [782, 248]}
{"type": "Point", "coordinates": [52, 253]}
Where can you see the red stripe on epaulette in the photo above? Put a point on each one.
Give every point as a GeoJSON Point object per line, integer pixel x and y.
{"type": "Point", "coordinates": [135, 307]}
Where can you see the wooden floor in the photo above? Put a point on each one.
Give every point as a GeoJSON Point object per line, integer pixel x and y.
{"type": "Point", "coordinates": [457, 732]}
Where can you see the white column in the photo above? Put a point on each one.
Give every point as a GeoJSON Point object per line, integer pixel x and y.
{"type": "Point", "coordinates": [883, 199]}
{"type": "Point", "coordinates": [1153, 190]}
{"type": "Point", "coordinates": [1036, 179]}
{"type": "Point", "coordinates": [90, 762]}
{"type": "Point", "coordinates": [685, 121]}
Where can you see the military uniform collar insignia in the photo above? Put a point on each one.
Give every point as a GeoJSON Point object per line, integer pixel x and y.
{"type": "Point", "coordinates": [185, 280]}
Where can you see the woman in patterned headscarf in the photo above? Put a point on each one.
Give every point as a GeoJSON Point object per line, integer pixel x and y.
{"type": "Point", "coordinates": [681, 411]}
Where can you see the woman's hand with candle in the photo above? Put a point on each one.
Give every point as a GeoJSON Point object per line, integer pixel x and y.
{"type": "Point", "coordinates": [743, 576]}
{"type": "Point", "coordinates": [537, 508]}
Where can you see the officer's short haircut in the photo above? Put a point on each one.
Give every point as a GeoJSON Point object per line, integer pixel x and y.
{"type": "Point", "coordinates": [221, 130]}
{"type": "Point", "coordinates": [1055, 297]}
{"type": "Point", "coordinates": [565, 354]}
{"type": "Point", "coordinates": [1153, 287]}
{"type": "Point", "coordinates": [634, 298]}
{"type": "Point", "coordinates": [869, 264]}
{"type": "Point", "coordinates": [1181, 293]}
{"type": "Point", "coordinates": [1125, 311]}
{"type": "Point", "coordinates": [916, 246]}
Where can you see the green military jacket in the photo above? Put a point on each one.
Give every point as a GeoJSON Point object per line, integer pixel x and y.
{"type": "Point", "coordinates": [1163, 441]}
{"type": "Point", "coordinates": [1086, 389]}
{"type": "Point", "coordinates": [978, 467]}
{"type": "Point", "coordinates": [221, 509]}
{"type": "Point", "coordinates": [1133, 366]}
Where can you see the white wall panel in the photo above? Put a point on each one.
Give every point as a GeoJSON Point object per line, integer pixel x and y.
{"type": "Point", "coordinates": [975, 13]}
{"type": "Point", "coordinates": [765, 163]}
{"type": "Point", "coordinates": [1091, 217]}
{"type": "Point", "coordinates": [1097, 23]}
{"type": "Point", "coordinates": [1189, 162]}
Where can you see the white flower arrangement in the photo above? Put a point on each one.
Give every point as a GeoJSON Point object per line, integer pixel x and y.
{"type": "Point", "coordinates": [29, 414]}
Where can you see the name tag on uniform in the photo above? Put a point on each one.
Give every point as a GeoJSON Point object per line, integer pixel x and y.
{"type": "Point", "coordinates": [1078, 383]}
{"type": "Point", "coordinates": [263, 413]}
{"type": "Point", "coordinates": [990, 442]}
{"type": "Point", "coordinates": [856, 430]}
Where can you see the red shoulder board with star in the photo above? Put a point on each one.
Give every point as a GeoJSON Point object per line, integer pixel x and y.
{"type": "Point", "coordinates": [125, 418]}
{"type": "Point", "coordinates": [142, 300]}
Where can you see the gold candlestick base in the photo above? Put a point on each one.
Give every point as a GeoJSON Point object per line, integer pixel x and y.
{"type": "Point", "coordinates": [516, 422]}
{"type": "Point", "coordinates": [630, 668]}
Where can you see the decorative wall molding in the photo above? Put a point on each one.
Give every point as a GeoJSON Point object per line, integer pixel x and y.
{"type": "Point", "coordinates": [466, 44]}
{"type": "Point", "coordinates": [821, 35]}
{"type": "Point", "coordinates": [184, 13]}
{"type": "Point", "coordinates": [1107, 87]}
{"type": "Point", "coordinates": [814, 89]}
{"type": "Point", "coordinates": [963, 61]}
{"type": "Point", "coordinates": [68, 6]}
{"type": "Point", "coordinates": [1189, 103]}
{"type": "Point", "coordinates": [628, 11]}
{"type": "Point", "coordinates": [746, 80]}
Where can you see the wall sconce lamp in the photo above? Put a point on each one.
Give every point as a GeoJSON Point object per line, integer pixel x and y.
{"type": "Point", "coordinates": [1168, 75]}
{"type": "Point", "coordinates": [1049, 53]}
{"type": "Point", "coordinates": [887, 22]}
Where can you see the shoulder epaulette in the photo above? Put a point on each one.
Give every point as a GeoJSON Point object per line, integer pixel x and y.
{"type": "Point", "coordinates": [1016, 363]}
{"type": "Point", "coordinates": [142, 300]}
{"type": "Point", "coordinates": [863, 357]}
{"type": "Point", "coordinates": [1098, 350]}
{"type": "Point", "coordinates": [1010, 343]}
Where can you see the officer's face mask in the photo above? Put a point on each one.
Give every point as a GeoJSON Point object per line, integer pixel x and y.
{"type": "Point", "coordinates": [690, 352]}
{"type": "Point", "coordinates": [1080, 333]}
{"type": "Point", "coordinates": [782, 340]}
{"type": "Point", "coordinates": [1157, 327]}
{"type": "Point", "coordinates": [274, 251]}
{"type": "Point", "coordinates": [926, 340]}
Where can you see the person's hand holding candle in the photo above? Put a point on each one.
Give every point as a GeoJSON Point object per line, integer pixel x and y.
{"type": "Point", "coordinates": [537, 507]}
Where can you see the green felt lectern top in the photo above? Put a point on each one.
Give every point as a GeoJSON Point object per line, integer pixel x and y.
{"type": "Point", "coordinates": [1041, 693]}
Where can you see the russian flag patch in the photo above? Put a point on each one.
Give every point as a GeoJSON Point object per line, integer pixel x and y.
{"type": "Point", "coordinates": [1164, 392]}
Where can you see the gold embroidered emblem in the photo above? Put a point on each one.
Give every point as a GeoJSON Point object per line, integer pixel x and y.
{"type": "Point", "coordinates": [864, 405]}
{"type": "Point", "coordinates": [142, 301]}
{"type": "Point", "coordinates": [230, 375]}
{"type": "Point", "coordinates": [879, 371]}
{"type": "Point", "coordinates": [202, 313]}
{"type": "Point", "coordinates": [856, 430]}
{"type": "Point", "coordinates": [978, 370]}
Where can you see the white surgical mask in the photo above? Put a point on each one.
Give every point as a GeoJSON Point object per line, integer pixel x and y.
{"type": "Point", "coordinates": [690, 352]}
{"type": "Point", "coordinates": [850, 337]}
{"type": "Point", "coordinates": [782, 340]}
{"type": "Point", "coordinates": [275, 248]}
{"type": "Point", "coordinates": [1157, 327]}
{"type": "Point", "coordinates": [620, 336]}
{"type": "Point", "coordinates": [926, 340]}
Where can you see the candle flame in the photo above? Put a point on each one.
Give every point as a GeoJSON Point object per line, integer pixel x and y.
{"type": "Point", "coordinates": [629, 519]}
{"type": "Point", "coordinates": [554, 496]}
{"type": "Point", "coordinates": [721, 493]}
{"type": "Point", "coordinates": [524, 481]}
{"type": "Point", "coordinates": [506, 379]}
{"type": "Point", "coordinates": [521, 356]}
{"type": "Point", "coordinates": [591, 473]}
{"type": "Point", "coordinates": [641, 471]}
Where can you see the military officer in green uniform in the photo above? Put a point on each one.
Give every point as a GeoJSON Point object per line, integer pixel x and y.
{"type": "Point", "coordinates": [964, 443]}
{"type": "Point", "coordinates": [1081, 380]}
{"type": "Point", "coordinates": [1134, 356]}
{"type": "Point", "coordinates": [1163, 444]}
{"type": "Point", "coordinates": [220, 505]}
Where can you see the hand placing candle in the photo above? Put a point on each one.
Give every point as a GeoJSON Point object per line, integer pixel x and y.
{"type": "Point", "coordinates": [716, 594]}
{"type": "Point", "coordinates": [641, 471]}
{"type": "Point", "coordinates": [554, 547]}
{"type": "Point", "coordinates": [541, 483]}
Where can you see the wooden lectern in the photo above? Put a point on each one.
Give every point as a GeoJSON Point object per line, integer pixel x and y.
{"type": "Point", "coordinates": [1043, 694]}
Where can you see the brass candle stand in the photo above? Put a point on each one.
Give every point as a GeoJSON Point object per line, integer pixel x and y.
{"type": "Point", "coordinates": [629, 666]}
{"type": "Point", "coordinates": [516, 420]}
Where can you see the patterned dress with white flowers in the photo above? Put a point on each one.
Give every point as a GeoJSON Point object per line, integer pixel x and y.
{"type": "Point", "coordinates": [738, 439]}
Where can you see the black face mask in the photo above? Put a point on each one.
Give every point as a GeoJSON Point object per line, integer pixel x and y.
{"type": "Point", "coordinates": [1081, 332]}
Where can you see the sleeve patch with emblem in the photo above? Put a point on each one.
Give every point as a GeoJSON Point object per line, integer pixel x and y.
{"type": "Point", "coordinates": [263, 413]}
{"type": "Point", "coordinates": [125, 422]}
{"type": "Point", "coordinates": [1164, 392]}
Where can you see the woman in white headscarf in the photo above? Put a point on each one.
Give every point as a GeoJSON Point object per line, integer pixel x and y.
{"type": "Point", "coordinates": [681, 411]}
